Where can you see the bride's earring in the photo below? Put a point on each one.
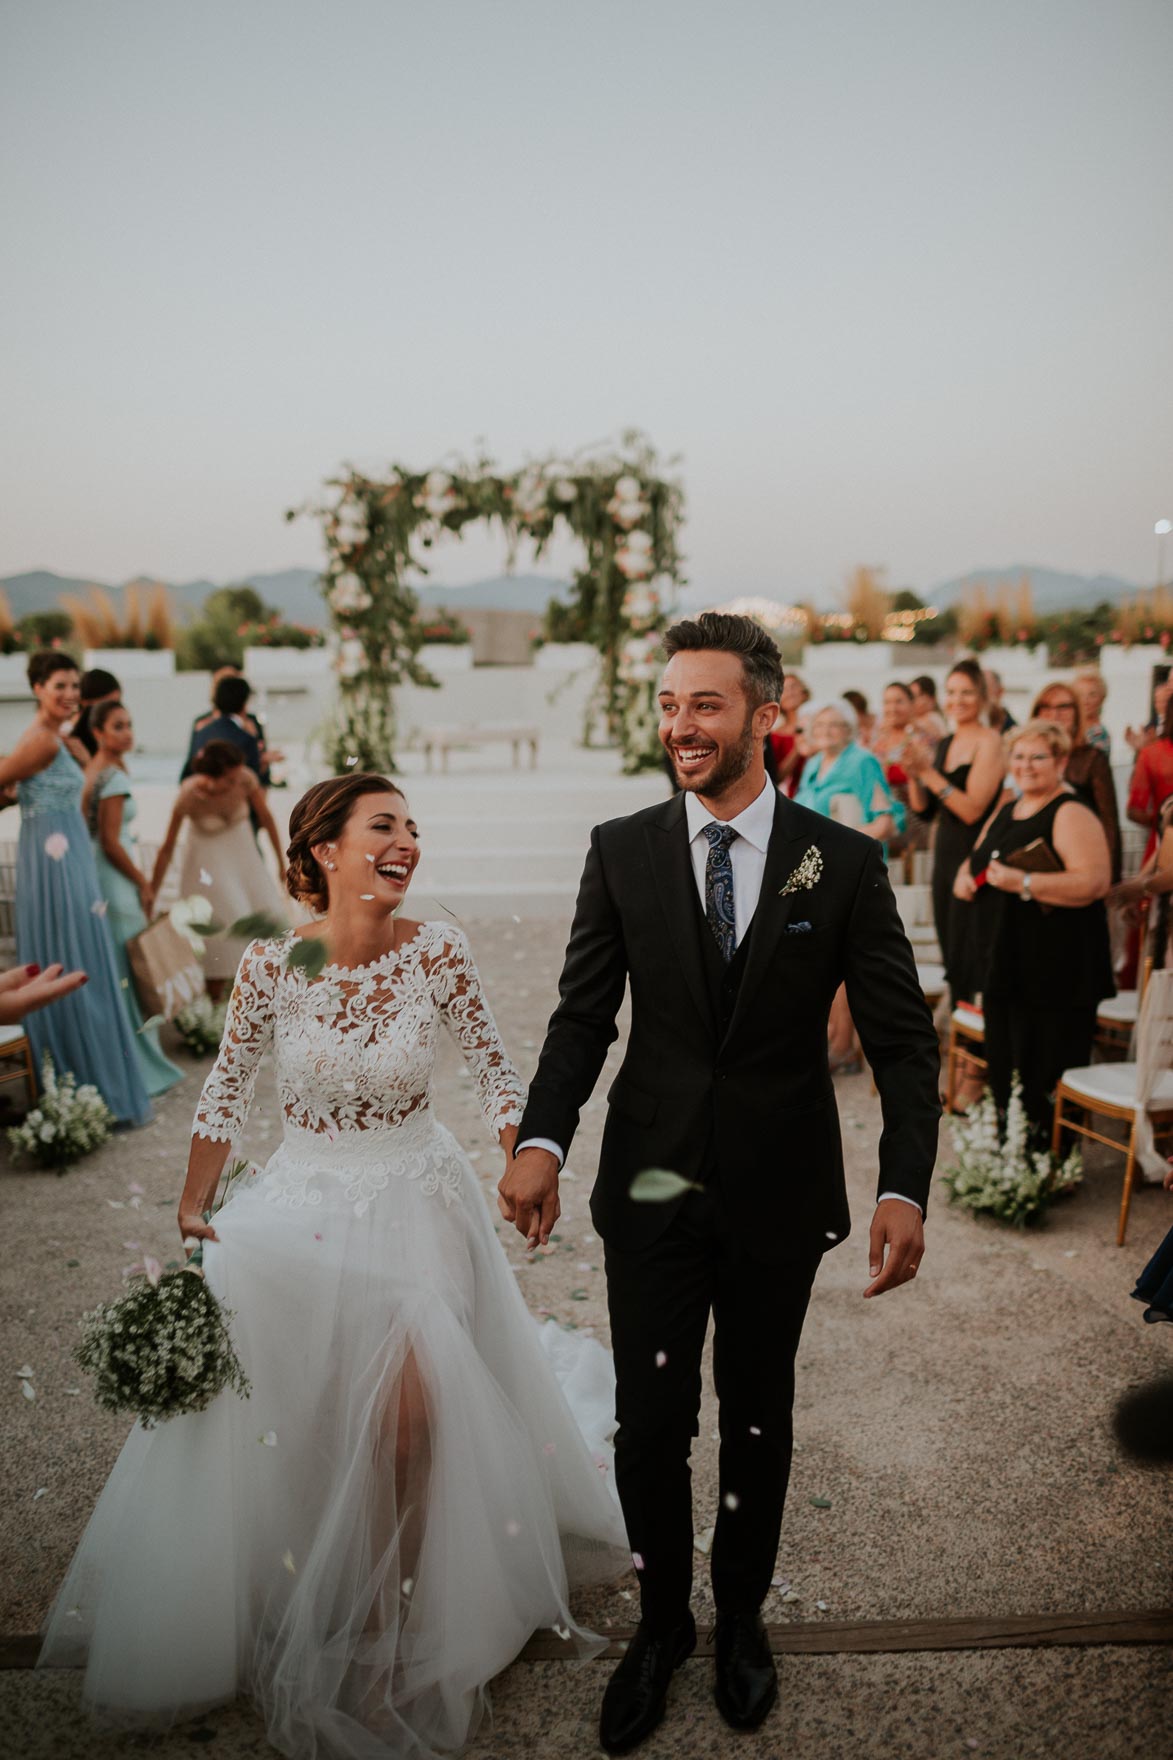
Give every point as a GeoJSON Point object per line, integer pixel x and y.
{"type": "Point", "coordinates": [332, 866]}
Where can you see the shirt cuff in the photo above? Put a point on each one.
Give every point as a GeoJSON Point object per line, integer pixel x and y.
{"type": "Point", "coordinates": [542, 1143]}
{"type": "Point", "coordinates": [902, 1198]}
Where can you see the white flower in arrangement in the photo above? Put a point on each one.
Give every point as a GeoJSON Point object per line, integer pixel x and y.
{"type": "Point", "coordinates": [635, 561]}
{"type": "Point", "coordinates": [190, 916]}
{"type": "Point", "coordinates": [640, 603]}
{"type": "Point", "coordinates": [627, 506]}
{"type": "Point", "coordinates": [529, 496]}
{"type": "Point", "coordinates": [350, 524]}
{"type": "Point", "coordinates": [69, 1122]}
{"type": "Point", "coordinates": [438, 496]}
{"type": "Point", "coordinates": [348, 595]}
{"type": "Point", "coordinates": [351, 659]}
{"type": "Point", "coordinates": [565, 491]}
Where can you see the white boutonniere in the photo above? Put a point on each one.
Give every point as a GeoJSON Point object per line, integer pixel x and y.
{"type": "Point", "coordinates": [807, 874]}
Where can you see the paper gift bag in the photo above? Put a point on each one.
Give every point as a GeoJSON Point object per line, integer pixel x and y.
{"type": "Point", "coordinates": [167, 975]}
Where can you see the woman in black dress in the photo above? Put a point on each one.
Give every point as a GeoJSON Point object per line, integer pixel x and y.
{"type": "Point", "coordinates": [1043, 934]}
{"type": "Point", "coordinates": [957, 786]}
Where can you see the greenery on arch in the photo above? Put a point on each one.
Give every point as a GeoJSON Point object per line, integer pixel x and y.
{"type": "Point", "coordinates": [624, 513]}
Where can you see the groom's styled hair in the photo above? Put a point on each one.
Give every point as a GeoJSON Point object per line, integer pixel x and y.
{"type": "Point", "coordinates": [725, 632]}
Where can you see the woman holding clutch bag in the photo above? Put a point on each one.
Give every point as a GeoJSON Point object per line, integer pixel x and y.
{"type": "Point", "coordinates": [1038, 873]}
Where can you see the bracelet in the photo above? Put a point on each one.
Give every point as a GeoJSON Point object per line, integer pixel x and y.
{"type": "Point", "coordinates": [944, 793]}
{"type": "Point", "coordinates": [1025, 892]}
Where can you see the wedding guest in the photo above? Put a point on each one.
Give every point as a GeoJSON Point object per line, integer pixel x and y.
{"type": "Point", "coordinates": [1092, 693]}
{"type": "Point", "coordinates": [1153, 882]}
{"type": "Point", "coordinates": [844, 782]}
{"type": "Point", "coordinates": [57, 891]}
{"type": "Point", "coordinates": [130, 899]}
{"type": "Point", "coordinates": [1047, 962]}
{"type": "Point", "coordinates": [1140, 737]}
{"type": "Point", "coordinates": [222, 861]}
{"type": "Point", "coordinates": [926, 710]}
{"type": "Point", "coordinates": [997, 714]}
{"type": "Point", "coordinates": [865, 721]}
{"type": "Point", "coordinates": [889, 741]}
{"type": "Point", "coordinates": [24, 989]}
{"type": "Point", "coordinates": [785, 737]}
{"type": "Point", "coordinates": [232, 722]}
{"type": "Point", "coordinates": [1152, 774]}
{"type": "Point", "coordinates": [97, 686]}
{"type": "Point", "coordinates": [957, 787]}
{"type": "Point", "coordinates": [1087, 771]}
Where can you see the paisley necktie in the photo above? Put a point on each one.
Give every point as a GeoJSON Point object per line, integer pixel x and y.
{"type": "Point", "coordinates": [719, 888]}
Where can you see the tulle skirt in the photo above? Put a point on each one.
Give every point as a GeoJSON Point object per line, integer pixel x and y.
{"type": "Point", "coordinates": [404, 1499]}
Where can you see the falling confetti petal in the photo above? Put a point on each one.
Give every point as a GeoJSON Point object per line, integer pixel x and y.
{"type": "Point", "coordinates": [831, 1235]}
{"type": "Point", "coordinates": [205, 877]}
{"type": "Point", "coordinates": [822, 1606]}
{"type": "Point", "coordinates": [26, 1387]}
{"type": "Point", "coordinates": [153, 1270]}
{"type": "Point", "coordinates": [661, 1359]}
{"type": "Point", "coordinates": [703, 1541]}
{"type": "Point", "coordinates": [73, 1391]}
{"type": "Point", "coordinates": [43, 1492]}
{"type": "Point", "coordinates": [407, 1585]}
{"type": "Point", "coordinates": [549, 1448]}
{"type": "Point", "coordinates": [287, 1561]}
{"type": "Point", "coordinates": [731, 1500]}
{"type": "Point", "coordinates": [754, 1431]}
{"type": "Point", "coordinates": [637, 1559]}
{"type": "Point", "coordinates": [659, 1185]}
{"type": "Point", "coordinates": [26, 1374]}
{"type": "Point", "coordinates": [136, 1189]}
{"type": "Point", "coordinates": [269, 1439]}
{"type": "Point", "coordinates": [351, 762]}
{"type": "Point", "coordinates": [366, 896]}
{"type": "Point", "coordinates": [563, 1632]}
{"type": "Point", "coordinates": [57, 846]}
{"type": "Point", "coordinates": [513, 1529]}
{"type": "Point", "coordinates": [370, 859]}
{"type": "Point", "coordinates": [99, 907]}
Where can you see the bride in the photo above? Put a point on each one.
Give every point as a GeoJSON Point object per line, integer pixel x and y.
{"type": "Point", "coordinates": [405, 1497]}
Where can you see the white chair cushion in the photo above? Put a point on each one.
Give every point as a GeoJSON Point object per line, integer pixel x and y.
{"type": "Point", "coordinates": [931, 978]}
{"type": "Point", "coordinates": [970, 1019]}
{"type": "Point", "coordinates": [1123, 1008]}
{"type": "Point", "coordinates": [12, 1036]}
{"type": "Point", "coordinates": [1115, 1083]}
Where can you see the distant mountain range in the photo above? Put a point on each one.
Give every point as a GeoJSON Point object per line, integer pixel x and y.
{"type": "Point", "coordinates": [295, 592]}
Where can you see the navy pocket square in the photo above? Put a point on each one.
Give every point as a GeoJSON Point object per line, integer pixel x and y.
{"type": "Point", "coordinates": [798, 928]}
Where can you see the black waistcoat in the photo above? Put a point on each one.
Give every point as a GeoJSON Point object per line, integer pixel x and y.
{"type": "Point", "coordinates": [723, 980]}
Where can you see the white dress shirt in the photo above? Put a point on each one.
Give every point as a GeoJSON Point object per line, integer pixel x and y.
{"type": "Point", "coordinates": [747, 853]}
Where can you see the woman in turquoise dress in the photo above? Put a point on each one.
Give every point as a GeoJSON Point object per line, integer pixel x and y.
{"type": "Point", "coordinates": [846, 783]}
{"type": "Point", "coordinates": [843, 781]}
{"type": "Point", "coordinates": [110, 813]}
{"type": "Point", "coordinates": [60, 911]}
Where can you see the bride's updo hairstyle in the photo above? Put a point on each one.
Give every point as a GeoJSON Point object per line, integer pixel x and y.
{"type": "Point", "coordinates": [320, 816]}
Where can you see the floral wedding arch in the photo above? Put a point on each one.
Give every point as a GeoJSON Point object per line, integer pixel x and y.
{"type": "Point", "coordinates": [623, 512]}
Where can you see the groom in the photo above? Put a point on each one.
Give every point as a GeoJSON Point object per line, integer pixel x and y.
{"type": "Point", "coordinates": [735, 915]}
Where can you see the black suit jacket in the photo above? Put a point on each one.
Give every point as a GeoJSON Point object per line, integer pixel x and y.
{"type": "Point", "coordinates": [225, 727]}
{"type": "Point", "coordinates": [752, 1106]}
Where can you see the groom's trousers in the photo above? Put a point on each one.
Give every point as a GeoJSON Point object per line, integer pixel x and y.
{"type": "Point", "coordinates": [660, 1298]}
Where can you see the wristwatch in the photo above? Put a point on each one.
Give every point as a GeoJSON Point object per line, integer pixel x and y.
{"type": "Point", "coordinates": [1025, 893]}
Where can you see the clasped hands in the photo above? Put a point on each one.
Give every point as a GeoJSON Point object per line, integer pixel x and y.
{"type": "Point", "coordinates": [528, 1197]}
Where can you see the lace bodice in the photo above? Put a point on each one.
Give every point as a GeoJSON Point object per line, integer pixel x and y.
{"type": "Point", "coordinates": [55, 789]}
{"type": "Point", "coordinates": [355, 1049]}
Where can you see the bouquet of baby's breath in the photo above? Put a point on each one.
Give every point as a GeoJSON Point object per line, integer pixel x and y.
{"type": "Point", "coordinates": [996, 1172]}
{"type": "Point", "coordinates": [163, 1348]}
{"type": "Point", "coordinates": [67, 1123]}
{"type": "Point", "coordinates": [201, 1024]}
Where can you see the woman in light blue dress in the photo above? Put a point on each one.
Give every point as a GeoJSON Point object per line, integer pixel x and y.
{"type": "Point", "coordinates": [844, 782]}
{"type": "Point", "coordinates": [110, 813]}
{"type": "Point", "coordinates": [60, 911]}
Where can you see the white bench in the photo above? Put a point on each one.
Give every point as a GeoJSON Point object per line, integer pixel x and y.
{"type": "Point", "coordinates": [446, 739]}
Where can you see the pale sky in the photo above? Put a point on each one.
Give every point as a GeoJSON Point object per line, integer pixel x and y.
{"type": "Point", "coordinates": [896, 280]}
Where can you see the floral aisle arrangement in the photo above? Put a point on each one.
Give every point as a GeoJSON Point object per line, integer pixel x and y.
{"type": "Point", "coordinates": [68, 1122]}
{"type": "Point", "coordinates": [996, 1173]}
{"type": "Point", "coordinates": [164, 1348]}
{"type": "Point", "coordinates": [625, 514]}
{"type": "Point", "coordinates": [201, 1024]}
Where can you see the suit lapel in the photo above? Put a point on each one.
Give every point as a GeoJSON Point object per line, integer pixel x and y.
{"type": "Point", "coordinates": [788, 843]}
{"type": "Point", "coordinates": [667, 836]}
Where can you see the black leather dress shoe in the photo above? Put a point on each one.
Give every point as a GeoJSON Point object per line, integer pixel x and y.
{"type": "Point", "coordinates": [638, 1690]}
{"type": "Point", "coordinates": [747, 1681]}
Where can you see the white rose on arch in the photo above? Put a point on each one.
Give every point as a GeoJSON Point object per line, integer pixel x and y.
{"type": "Point", "coordinates": [635, 561]}
{"type": "Point", "coordinates": [348, 595]}
{"type": "Point", "coordinates": [439, 496]}
{"type": "Point", "coordinates": [351, 659]}
{"type": "Point", "coordinates": [640, 603]}
{"type": "Point", "coordinates": [627, 506]}
{"type": "Point", "coordinates": [529, 497]}
{"type": "Point", "coordinates": [565, 491]}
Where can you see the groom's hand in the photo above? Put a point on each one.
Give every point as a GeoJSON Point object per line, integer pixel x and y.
{"type": "Point", "coordinates": [528, 1195]}
{"type": "Point", "coordinates": [896, 1245]}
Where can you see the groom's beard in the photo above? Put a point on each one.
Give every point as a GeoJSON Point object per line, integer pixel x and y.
{"type": "Point", "coordinates": [730, 767]}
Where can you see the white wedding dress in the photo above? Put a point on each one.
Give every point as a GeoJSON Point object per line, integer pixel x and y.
{"type": "Point", "coordinates": [406, 1496]}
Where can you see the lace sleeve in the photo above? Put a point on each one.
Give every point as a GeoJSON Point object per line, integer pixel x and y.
{"type": "Point", "coordinates": [248, 1031]}
{"type": "Point", "coordinates": [470, 1020]}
